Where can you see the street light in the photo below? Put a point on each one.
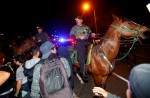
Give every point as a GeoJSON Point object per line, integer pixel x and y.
{"type": "Point", "coordinates": [148, 7]}
{"type": "Point", "coordinates": [86, 7]}
{"type": "Point", "coordinates": [95, 21]}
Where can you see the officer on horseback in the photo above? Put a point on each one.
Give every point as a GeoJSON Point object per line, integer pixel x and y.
{"type": "Point", "coordinates": [41, 36]}
{"type": "Point", "coordinates": [80, 32]}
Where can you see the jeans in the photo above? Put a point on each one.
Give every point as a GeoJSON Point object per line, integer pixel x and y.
{"type": "Point", "coordinates": [81, 48]}
{"type": "Point", "coordinates": [24, 89]}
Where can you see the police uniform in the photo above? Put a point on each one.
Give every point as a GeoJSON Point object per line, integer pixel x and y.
{"type": "Point", "coordinates": [81, 30]}
{"type": "Point", "coordinates": [81, 43]}
{"type": "Point", "coordinates": [41, 36]}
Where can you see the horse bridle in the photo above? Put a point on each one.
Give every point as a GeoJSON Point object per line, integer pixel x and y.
{"type": "Point", "coordinates": [126, 29]}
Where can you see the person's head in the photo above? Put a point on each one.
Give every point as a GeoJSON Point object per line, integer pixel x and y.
{"type": "Point", "coordinates": [79, 20]}
{"type": "Point", "coordinates": [2, 58]}
{"type": "Point", "coordinates": [39, 29]}
{"type": "Point", "coordinates": [35, 51]}
{"type": "Point", "coordinates": [63, 51]}
{"type": "Point", "coordinates": [139, 82]}
{"type": "Point", "coordinates": [47, 48]}
{"type": "Point", "coordinates": [19, 59]}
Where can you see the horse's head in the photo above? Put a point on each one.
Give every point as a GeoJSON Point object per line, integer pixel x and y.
{"type": "Point", "coordinates": [130, 28]}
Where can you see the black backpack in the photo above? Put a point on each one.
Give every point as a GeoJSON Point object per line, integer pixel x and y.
{"type": "Point", "coordinates": [53, 80]}
{"type": "Point", "coordinates": [29, 74]}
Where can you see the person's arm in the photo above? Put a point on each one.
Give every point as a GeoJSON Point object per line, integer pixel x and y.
{"type": "Point", "coordinates": [104, 93]}
{"type": "Point", "coordinates": [46, 33]}
{"type": "Point", "coordinates": [19, 78]}
{"type": "Point", "coordinates": [4, 77]}
{"type": "Point", "coordinates": [67, 66]}
{"type": "Point", "coordinates": [35, 88]}
{"type": "Point", "coordinates": [93, 35]}
{"type": "Point", "coordinates": [18, 87]}
{"type": "Point", "coordinates": [112, 96]}
{"type": "Point", "coordinates": [99, 90]}
{"type": "Point", "coordinates": [72, 33]}
{"type": "Point", "coordinates": [47, 36]}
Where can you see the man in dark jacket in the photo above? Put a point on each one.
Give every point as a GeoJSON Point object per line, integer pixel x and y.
{"type": "Point", "coordinates": [63, 52]}
{"type": "Point", "coordinates": [41, 36]}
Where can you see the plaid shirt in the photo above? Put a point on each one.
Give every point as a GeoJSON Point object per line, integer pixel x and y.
{"type": "Point", "coordinates": [35, 89]}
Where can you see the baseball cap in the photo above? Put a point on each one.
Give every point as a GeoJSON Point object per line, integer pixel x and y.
{"type": "Point", "coordinates": [139, 81]}
{"type": "Point", "coordinates": [45, 49]}
{"type": "Point", "coordinates": [79, 17]}
{"type": "Point", "coordinates": [38, 27]}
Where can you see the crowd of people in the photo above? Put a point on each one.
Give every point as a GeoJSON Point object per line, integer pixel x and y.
{"type": "Point", "coordinates": [17, 84]}
{"type": "Point", "coordinates": [23, 82]}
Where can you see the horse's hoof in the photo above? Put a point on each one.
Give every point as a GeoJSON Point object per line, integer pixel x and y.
{"type": "Point", "coordinates": [84, 78]}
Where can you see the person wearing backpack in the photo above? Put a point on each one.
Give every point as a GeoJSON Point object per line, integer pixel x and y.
{"type": "Point", "coordinates": [21, 80]}
{"type": "Point", "coordinates": [49, 57]}
{"type": "Point", "coordinates": [63, 52]}
{"type": "Point", "coordinates": [30, 64]}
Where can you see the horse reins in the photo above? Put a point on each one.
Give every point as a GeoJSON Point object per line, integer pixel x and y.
{"type": "Point", "coordinates": [134, 40]}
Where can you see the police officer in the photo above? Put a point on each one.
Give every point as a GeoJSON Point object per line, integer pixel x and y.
{"type": "Point", "coordinates": [41, 36]}
{"type": "Point", "coordinates": [80, 32]}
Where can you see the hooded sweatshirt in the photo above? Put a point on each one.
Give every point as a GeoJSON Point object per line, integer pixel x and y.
{"type": "Point", "coordinates": [30, 63]}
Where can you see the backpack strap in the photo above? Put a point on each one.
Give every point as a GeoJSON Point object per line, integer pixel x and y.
{"type": "Point", "coordinates": [44, 61]}
{"type": "Point", "coordinates": [25, 69]}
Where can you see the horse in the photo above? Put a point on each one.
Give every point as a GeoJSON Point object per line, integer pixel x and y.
{"type": "Point", "coordinates": [103, 54]}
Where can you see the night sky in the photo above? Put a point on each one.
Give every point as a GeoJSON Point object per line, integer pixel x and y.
{"type": "Point", "coordinates": [57, 16]}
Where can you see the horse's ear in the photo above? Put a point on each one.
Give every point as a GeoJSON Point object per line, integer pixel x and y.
{"type": "Point", "coordinates": [116, 17]}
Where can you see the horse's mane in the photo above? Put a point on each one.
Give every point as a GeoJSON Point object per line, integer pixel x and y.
{"type": "Point", "coordinates": [123, 18]}
{"type": "Point", "coordinates": [25, 46]}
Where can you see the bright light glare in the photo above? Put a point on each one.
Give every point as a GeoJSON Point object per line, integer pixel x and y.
{"type": "Point", "coordinates": [86, 6]}
{"type": "Point", "coordinates": [73, 42]}
{"type": "Point", "coordinates": [148, 7]}
{"type": "Point", "coordinates": [62, 40]}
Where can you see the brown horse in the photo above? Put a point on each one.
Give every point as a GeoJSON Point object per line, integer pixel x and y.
{"type": "Point", "coordinates": [103, 54]}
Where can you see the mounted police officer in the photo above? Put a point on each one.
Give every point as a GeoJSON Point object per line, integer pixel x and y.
{"type": "Point", "coordinates": [41, 36]}
{"type": "Point", "coordinates": [80, 32]}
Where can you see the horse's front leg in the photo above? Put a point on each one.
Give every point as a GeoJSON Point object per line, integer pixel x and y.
{"type": "Point", "coordinates": [104, 80]}
{"type": "Point", "coordinates": [97, 80]}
